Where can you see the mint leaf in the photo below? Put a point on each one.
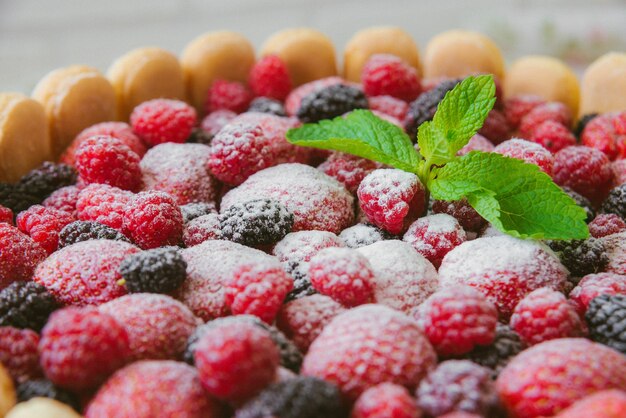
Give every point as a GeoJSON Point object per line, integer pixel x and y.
{"type": "Point", "coordinates": [363, 134]}
{"type": "Point", "coordinates": [516, 197]}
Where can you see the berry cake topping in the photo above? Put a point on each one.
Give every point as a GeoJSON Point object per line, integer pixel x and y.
{"type": "Point", "coordinates": [385, 74]}
{"type": "Point", "coordinates": [606, 224]}
{"type": "Point", "coordinates": [266, 105]}
{"type": "Point", "coordinates": [386, 400]}
{"type": "Point", "coordinates": [104, 204]}
{"type": "Point", "coordinates": [6, 215]}
{"type": "Point", "coordinates": [434, 236]}
{"type": "Point", "coordinates": [424, 107]}
{"type": "Point", "coordinates": [19, 353]}
{"type": "Point", "coordinates": [506, 345]}
{"type": "Point", "coordinates": [348, 169]}
{"type": "Point", "coordinates": [202, 228]}
{"type": "Point", "coordinates": [192, 211]}
{"type": "Point", "coordinates": [615, 202]}
{"type": "Point", "coordinates": [602, 133]}
{"type": "Point", "coordinates": [163, 120]}
{"type": "Point", "coordinates": [463, 212]}
{"type": "Point", "coordinates": [42, 181]}
{"type": "Point", "coordinates": [581, 257]}
{"type": "Point", "coordinates": [552, 111]}
{"type": "Point", "coordinates": [44, 225]}
{"type": "Point", "coordinates": [153, 219]}
{"type": "Point", "coordinates": [80, 231]}
{"type": "Point", "coordinates": [294, 99]}
{"type": "Point", "coordinates": [160, 270]}
{"type": "Point", "coordinates": [227, 95]}
{"type": "Point", "coordinates": [531, 152]}
{"type": "Point", "coordinates": [329, 102]}
{"type": "Point", "coordinates": [390, 106]}
{"type": "Point", "coordinates": [553, 136]}
{"type": "Point", "coordinates": [25, 305]}
{"type": "Point", "coordinates": [602, 404]}
{"type": "Point", "coordinates": [606, 317]}
{"type": "Point", "coordinates": [360, 235]}
{"type": "Point", "coordinates": [269, 78]}
{"type": "Point", "coordinates": [215, 121]}
{"type": "Point", "coordinates": [516, 107]}
{"type": "Point", "coordinates": [594, 285]}
{"type": "Point", "coordinates": [616, 251]}
{"type": "Point", "coordinates": [19, 255]}
{"type": "Point", "coordinates": [256, 222]}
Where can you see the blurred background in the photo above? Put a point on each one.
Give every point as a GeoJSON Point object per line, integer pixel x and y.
{"type": "Point", "coordinates": [37, 36]}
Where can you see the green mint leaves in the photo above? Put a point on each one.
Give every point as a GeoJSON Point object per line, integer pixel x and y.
{"type": "Point", "coordinates": [516, 197]}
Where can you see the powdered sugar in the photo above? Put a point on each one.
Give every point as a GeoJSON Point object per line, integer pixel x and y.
{"type": "Point", "coordinates": [616, 250]}
{"type": "Point", "coordinates": [361, 235]}
{"type": "Point", "coordinates": [434, 236]}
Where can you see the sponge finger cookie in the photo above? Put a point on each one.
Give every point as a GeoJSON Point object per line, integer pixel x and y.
{"type": "Point", "coordinates": [42, 407]}
{"type": "Point", "coordinates": [7, 391]}
{"type": "Point", "coordinates": [603, 86]}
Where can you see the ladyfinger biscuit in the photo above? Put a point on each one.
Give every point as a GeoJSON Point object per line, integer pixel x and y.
{"type": "Point", "coordinates": [603, 87]}
{"type": "Point", "coordinates": [7, 392]}
{"type": "Point", "coordinates": [42, 407]}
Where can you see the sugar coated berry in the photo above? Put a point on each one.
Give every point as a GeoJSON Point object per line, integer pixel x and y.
{"type": "Point", "coordinates": [329, 102]}
{"type": "Point", "coordinates": [602, 133]}
{"type": "Point", "coordinates": [192, 211]}
{"type": "Point", "coordinates": [553, 111]}
{"type": "Point", "coordinates": [80, 231]}
{"type": "Point", "coordinates": [553, 136]}
{"type": "Point", "coordinates": [215, 121]}
{"type": "Point", "coordinates": [228, 95]}
{"type": "Point", "coordinates": [361, 235]}
{"type": "Point", "coordinates": [202, 228]}
{"type": "Point", "coordinates": [602, 404]}
{"type": "Point", "coordinates": [6, 215]}
{"type": "Point", "coordinates": [386, 400]}
{"type": "Point", "coordinates": [386, 74]}
{"type": "Point", "coordinates": [153, 219]}
{"type": "Point", "coordinates": [476, 143]}
{"type": "Point", "coordinates": [434, 236]}
{"type": "Point", "coordinates": [516, 107]}
{"type": "Point", "coordinates": [615, 202]}
{"type": "Point", "coordinates": [424, 107]}
{"type": "Point", "coordinates": [368, 345]}
{"type": "Point", "coordinates": [269, 77]}
{"type": "Point", "coordinates": [293, 100]}
{"type": "Point", "coordinates": [606, 318]}
{"type": "Point", "coordinates": [616, 252]}
{"type": "Point", "coordinates": [163, 120]}
{"type": "Point", "coordinates": [42, 181]}
{"type": "Point", "coordinates": [606, 224]}
{"type": "Point", "coordinates": [506, 345]}
{"type": "Point", "coordinates": [43, 225]}
{"type": "Point", "coordinates": [160, 270]}
{"type": "Point", "coordinates": [63, 199]}
{"type": "Point", "coordinates": [619, 171]}
{"type": "Point", "coordinates": [25, 305]}
{"type": "Point", "coordinates": [495, 128]}
{"type": "Point", "coordinates": [19, 353]}
{"type": "Point", "coordinates": [462, 211]}
{"type": "Point", "coordinates": [348, 169]}
{"type": "Point", "coordinates": [43, 388]}
{"type": "Point", "coordinates": [581, 257]}
{"type": "Point", "coordinates": [530, 152]}
{"type": "Point", "coordinates": [256, 222]}
{"type": "Point", "coordinates": [389, 105]}
{"type": "Point", "coordinates": [594, 285]}
{"type": "Point", "coordinates": [103, 204]}
{"type": "Point", "coordinates": [266, 105]}
{"type": "Point", "coordinates": [19, 255]}
{"type": "Point", "coordinates": [581, 201]}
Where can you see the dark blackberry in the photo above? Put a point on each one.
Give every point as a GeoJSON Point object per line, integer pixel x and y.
{"type": "Point", "coordinates": [606, 318]}
{"type": "Point", "coordinates": [79, 231]}
{"type": "Point", "coordinates": [47, 178]}
{"type": "Point", "coordinates": [424, 107]}
{"type": "Point", "coordinates": [330, 102]}
{"type": "Point", "coordinates": [496, 355]}
{"type": "Point", "coordinates": [14, 197]}
{"type": "Point", "coordinates": [360, 235]}
{"type": "Point", "coordinates": [266, 105]}
{"type": "Point", "coordinates": [301, 284]}
{"type": "Point", "coordinates": [26, 305]}
{"type": "Point", "coordinates": [300, 397]}
{"type": "Point", "coordinates": [192, 211]}
{"type": "Point", "coordinates": [199, 136]}
{"type": "Point", "coordinates": [582, 122]}
{"type": "Point", "coordinates": [43, 388]}
{"type": "Point", "coordinates": [290, 356]}
{"type": "Point", "coordinates": [256, 222]}
{"type": "Point", "coordinates": [616, 202]}
{"type": "Point", "coordinates": [160, 270]}
{"type": "Point", "coordinates": [581, 257]}
{"type": "Point", "coordinates": [583, 202]}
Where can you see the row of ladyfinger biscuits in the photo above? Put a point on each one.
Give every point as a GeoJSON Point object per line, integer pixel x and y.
{"type": "Point", "coordinates": [67, 100]}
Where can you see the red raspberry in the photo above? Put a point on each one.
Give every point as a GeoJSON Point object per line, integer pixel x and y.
{"type": "Point", "coordinates": [606, 134]}
{"type": "Point", "coordinates": [463, 212]}
{"type": "Point", "coordinates": [544, 314]}
{"type": "Point", "coordinates": [585, 170]}
{"type": "Point", "coordinates": [292, 102]}
{"type": "Point", "coordinates": [6, 215]}
{"type": "Point", "coordinates": [19, 353]}
{"type": "Point", "coordinates": [460, 414]}
{"type": "Point", "coordinates": [153, 219]}
{"type": "Point", "coordinates": [368, 345]}
{"type": "Point", "coordinates": [163, 120]}
{"type": "Point", "coordinates": [552, 135]}
{"type": "Point", "coordinates": [19, 255]}
{"type": "Point", "coordinates": [236, 360]}
{"type": "Point", "coordinates": [392, 199]}
{"type": "Point", "coordinates": [81, 347]}
{"type": "Point", "coordinates": [606, 224]}
{"type": "Point", "coordinates": [476, 143]}
{"type": "Point", "coordinates": [434, 236]}
{"type": "Point", "coordinates": [603, 404]}
{"type": "Point", "coordinates": [619, 171]}
{"type": "Point", "coordinates": [269, 77]}
{"type": "Point", "coordinates": [385, 401]}
{"type": "Point", "coordinates": [516, 107]}
{"type": "Point", "coordinates": [386, 74]}
{"type": "Point", "coordinates": [389, 105]}
{"type": "Point", "coordinates": [529, 385]}
{"type": "Point", "coordinates": [616, 251]}
{"type": "Point", "coordinates": [64, 199]}
{"type": "Point", "coordinates": [215, 121]}
{"type": "Point", "coordinates": [343, 274]}
{"type": "Point", "coordinates": [118, 130]}
{"type": "Point", "coordinates": [180, 170]}
{"type": "Point", "coordinates": [201, 229]}
{"type": "Point", "coordinates": [348, 169]}
{"type": "Point", "coordinates": [593, 285]}
{"type": "Point", "coordinates": [229, 95]}
{"type": "Point", "coordinates": [496, 128]}
{"type": "Point", "coordinates": [554, 111]}
{"type": "Point", "coordinates": [302, 320]}
{"type": "Point", "coordinates": [530, 152]}
{"type": "Point", "coordinates": [458, 319]}
{"type": "Point", "coordinates": [85, 273]}
{"type": "Point", "coordinates": [148, 389]}
{"type": "Point", "coordinates": [104, 204]}
{"type": "Point", "coordinates": [503, 268]}
{"type": "Point", "coordinates": [43, 225]}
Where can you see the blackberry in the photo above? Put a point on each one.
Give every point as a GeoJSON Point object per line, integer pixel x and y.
{"type": "Point", "coordinates": [581, 257]}
{"type": "Point", "coordinates": [582, 122]}
{"type": "Point", "coordinates": [266, 105]}
{"type": "Point", "coordinates": [26, 305]}
{"type": "Point", "coordinates": [424, 107]}
{"type": "Point", "coordinates": [79, 231]}
{"type": "Point", "coordinates": [256, 222]}
{"type": "Point", "coordinates": [360, 235]}
{"type": "Point", "coordinates": [330, 102]}
{"type": "Point", "coordinates": [583, 202]}
{"type": "Point", "coordinates": [616, 202]}
{"type": "Point", "coordinates": [47, 178]}
{"type": "Point", "coordinates": [606, 318]}
{"type": "Point", "coordinates": [160, 270]}
{"type": "Point", "coordinates": [300, 397]}
{"type": "Point", "coordinates": [495, 356]}
{"type": "Point", "coordinates": [43, 388]}
{"type": "Point", "coordinates": [301, 284]}
{"type": "Point", "coordinates": [14, 197]}
{"type": "Point", "coordinates": [192, 211]}
{"type": "Point", "coordinates": [199, 136]}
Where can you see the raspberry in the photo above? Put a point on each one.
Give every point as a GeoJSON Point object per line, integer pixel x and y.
{"type": "Point", "coordinates": [385, 400]}
{"type": "Point", "coordinates": [348, 169]}
{"type": "Point", "coordinates": [361, 235]}
{"type": "Point", "coordinates": [160, 270]}
{"type": "Point", "coordinates": [603, 404]}
{"type": "Point", "coordinates": [25, 305]}
{"type": "Point", "coordinates": [602, 134]}
{"type": "Point", "coordinates": [81, 347]}
{"type": "Point", "coordinates": [265, 105]}
{"type": "Point", "coordinates": [530, 152]}
{"type": "Point", "coordinates": [6, 215]}
{"type": "Point", "coordinates": [594, 285]}
{"type": "Point", "coordinates": [616, 251]}
{"type": "Point", "coordinates": [44, 225]}
{"type": "Point", "coordinates": [585, 170]}
{"type": "Point", "coordinates": [424, 107]}
{"type": "Point", "coordinates": [106, 160]}
{"type": "Point", "coordinates": [63, 199]}
{"type": "Point", "coordinates": [463, 212]}
{"type": "Point", "coordinates": [389, 105]}
{"type": "Point", "coordinates": [192, 211]}
{"type": "Point", "coordinates": [163, 120]}
{"type": "Point", "coordinates": [619, 171]}
{"type": "Point", "coordinates": [516, 107]}
{"type": "Point", "coordinates": [119, 130]}
{"type": "Point", "coordinates": [506, 345]}
{"type": "Point", "coordinates": [578, 364]}
{"type": "Point", "coordinates": [43, 388]}
{"type": "Point", "coordinates": [269, 77]}
{"type": "Point", "coordinates": [496, 128]}
{"type": "Point", "coordinates": [19, 353]}
{"type": "Point", "coordinates": [228, 95]}
{"type": "Point", "coordinates": [148, 389]}
{"type": "Point", "coordinates": [80, 231]}
{"type": "Point", "coordinates": [583, 202]}
{"type": "Point", "coordinates": [553, 111]}
{"type": "Point", "coordinates": [329, 102]}
{"type": "Point", "coordinates": [203, 228]}
{"type": "Point", "coordinates": [554, 136]}
{"type": "Point", "coordinates": [615, 202]}
{"type": "Point", "coordinates": [236, 360]}
{"type": "Point", "coordinates": [294, 99]}
{"type": "Point", "coordinates": [581, 257]}
{"type": "Point", "coordinates": [343, 274]}
{"type": "Point", "coordinates": [42, 181]}
{"type": "Point", "coordinates": [215, 121]}
{"type": "Point", "coordinates": [19, 255]}
{"type": "Point", "coordinates": [503, 268]}
{"type": "Point", "coordinates": [455, 320]}
{"type": "Point", "coordinates": [392, 199]}
{"type": "Point", "coordinates": [606, 224]}
{"type": "Point", "coordinates": [303, 319]}
{"type": "Point", "coordinates": [476, 143]}
{"type": "Point", "coordinates": [434, 236]}
{"type": "Point", "coordinates": [103, 204]}
{"type": "Point", "coordinates": [459, 415]}
{"type": "Point", "coordinates": [386, 74]}
{"type": "Point", "coordinates": [153, 219]}
{"type": "Point", "coordinates": [368, 345]}
{"type": "Point", "coordinates": [85, 273]}
{"type": "Point", "coordinates": [180, 170]}
{"type": "Point", "coordinates": [458, 385]}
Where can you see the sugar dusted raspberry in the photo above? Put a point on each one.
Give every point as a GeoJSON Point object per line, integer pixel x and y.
{"type": "Point", "coordinates": [229, 95]}
{"type": "Point", "coordinates": [463, 212]}
{"type": "Point", "coordinates": [85, 273]}
{"type": "Point", "coordinates": [516, 107]}
{"type": "Point", "coordinates": [616, 251]}
{"type": "Point", "coordinates": [368, 345]}
{"type": "Point", "coordinates": [63, 199]}
{"type": "Point", "coordinates": [602, 404]}
{"type": "Point", "coordinates": [619, 171]}
{"type": "Point", "coordinates": [602, 133]}
{"type": "Point", "coordinates": [44, 225]}
{"type": "Point", "coordinates": [348, 169]}
{"type": "Point", "coordinates": [392, 199]}
{"type": "Point", "coordinates": [104, 204]}
{"type": "Point", "coordinates": [19, 255]}
{"type": "Point", "coordinates": [389, 105]}
{"type": "Point", "coordinates": [163, 120]}
{"type": "Point", "coordinates": [580, 365]}
{"type": "Point", "coordinates": [6, 215]}
{"type": "Point", "coordinates": [215, 121]}
{"type": "Point", "coordinates": [269, 77]}
{"type": "Point", "coordinates": [81, 347]}
{"type": "Point", "coordinates": [385, 400]}
{"type": "Point", "coordinates": [292, 102]}
{"type": "Point", "coordinates": [476, 143]}
{"type": "Point", "coordinates": [361, 235]}
{"type": "Point", "coordinates": [593, 285]}
{"type": "Point", "coordinates": [202, 229]}
{"type": "Point", "coordinates": [503, 268]}
{"type": "Point", "coordinates": [434, 236]}
{"type": "Point", "coordinates": [153, 219]}
{"type": "Point", "coordinates": [459, 414]}
{"type": "Point", "coordinates": [496, 128]}
{"type": "Point", "coordinates": [553, 111]}
{"type": "Point", "coordinates": [148, 389]}
{"type": "Point", "coordinates": [527, 151]}
{"type": "Point", "coordinates": [19, 353]}
{"type": "Point", "coordinates": [192, 211]}
{"type": "Point", "coordinates": [606, 224]}
{"type": "Point", "coordinates": [236, 360]}
{"type": "Point", "coordinates": [554, 136]}
{"type": "Point", "coordinates": [386, 74]}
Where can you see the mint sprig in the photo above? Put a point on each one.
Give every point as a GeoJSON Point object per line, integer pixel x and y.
{"type": "Point", "coordinates": [516, 197]}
